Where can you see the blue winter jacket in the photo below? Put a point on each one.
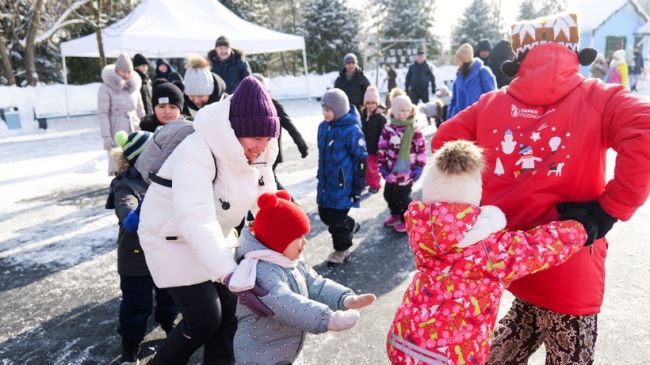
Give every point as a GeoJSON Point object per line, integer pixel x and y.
{"type": "Point", "coordinates": [468, 89]}
{"type": "Point", "coordinates": [341, 161]}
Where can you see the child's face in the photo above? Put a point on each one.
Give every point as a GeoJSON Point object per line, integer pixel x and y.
{"type": "Point", "coordinates": [371, 106]}
{"type": "Point", "coordinates": [328, 114]}
{"type": "Point", "coordinates": [166, 113]}
{"type": "Point", "coordinates": [403, 113]}
{"type": "Point", "coordinates": [295, 248]}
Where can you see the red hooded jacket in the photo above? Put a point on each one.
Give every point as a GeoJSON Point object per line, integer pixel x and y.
{"type": "Point", "coordinates": [545, 138]}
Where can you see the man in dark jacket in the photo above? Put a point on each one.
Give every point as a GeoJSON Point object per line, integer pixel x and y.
{"type": "Point", "coordinates": [501, 53]}
{"type": "Point", "coordinates": [636, 70]}
{"type": "Point", "coordinates": [483, 50]}
{"type": "Point", "coordinates": [352, 81]}
{"type": "Point", "coordinates": [141, 66]}
{"type": "Point", "coordinates": [418, 78]}
{"type": "Point", "coordinates": [228, 63]}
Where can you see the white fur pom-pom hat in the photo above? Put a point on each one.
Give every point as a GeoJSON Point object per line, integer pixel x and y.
{"type": "Point", "coordinates": [455, 176]}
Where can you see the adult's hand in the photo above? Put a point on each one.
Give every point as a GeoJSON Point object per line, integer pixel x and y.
{"type": "Point", "coordinates": [251, 298]}
{"type": "Point", "coordinates": [596, 221]}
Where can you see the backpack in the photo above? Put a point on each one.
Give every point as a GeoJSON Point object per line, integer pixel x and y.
{"type": "Point", "coordinates": [160, 146]}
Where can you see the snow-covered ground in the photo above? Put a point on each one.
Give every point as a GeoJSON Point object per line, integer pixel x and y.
{"type": "Point", "coordinates": [59, 290]}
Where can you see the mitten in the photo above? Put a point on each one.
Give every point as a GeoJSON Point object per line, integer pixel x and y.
{"type": "Point", "coordinates": [304, 152]}
{"type": "Point", "coordinates": [416, 173]}
{"type": "Point", "coordinates": [108, 143]}
{"type": "Point", "coordinates": [251, 298]}
{"type": "Point", "coordinates": [356, 201]}
{"type": "Point", "coordinates": [132, 220]}
{"type": "Point", "coordinates": [358, 301]}
{"type": "Point", "coordinates": [594, 213]}
{"type": "Point", "coordinates": [343, 320]}
{"type": "Point", "coordinates": [383, 171]}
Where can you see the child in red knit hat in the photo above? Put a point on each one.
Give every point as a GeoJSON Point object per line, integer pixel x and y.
{"type": "Point", "coordinates": [302, 301]}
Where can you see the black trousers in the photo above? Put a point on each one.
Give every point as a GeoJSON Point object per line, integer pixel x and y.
{"type": "Point", "coordinates": [419, 94]}
{"type": "Point", "coordinates": [398, 198]}
{"type": "Point", "coordinates": [340, 226]}
{"type": "Point", "coordinates": [137, 305]}
{"type": "Point", "coordinates": [208, 320]}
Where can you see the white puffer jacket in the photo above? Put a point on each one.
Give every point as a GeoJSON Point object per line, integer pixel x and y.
{"type": "Point", "coordinates": [185, 231]}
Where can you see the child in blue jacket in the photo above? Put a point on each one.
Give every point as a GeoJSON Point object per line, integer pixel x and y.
{"type": "Point", "coordinates": [342, 163]}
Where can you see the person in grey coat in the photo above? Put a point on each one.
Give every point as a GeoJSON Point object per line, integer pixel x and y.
{"type": "Point", "coordinates": [302, 301]}
{"type": "Point", "coordinates": [119, 104]}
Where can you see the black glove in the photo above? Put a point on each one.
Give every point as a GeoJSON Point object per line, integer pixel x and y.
{"type": "Point", "coordinates": [304, 152]}
{"type": "Point", "coordinates": [591, 215]}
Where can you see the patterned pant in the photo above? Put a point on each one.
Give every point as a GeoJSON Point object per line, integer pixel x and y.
{"type": "Point", "coordinates": [568, 339]}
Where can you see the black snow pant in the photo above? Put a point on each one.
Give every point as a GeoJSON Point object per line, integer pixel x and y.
{"type": "Point", "coordinates": [419, 94]}
{"type": "Point", "coordinates": [341, 226]}
{"type": "Point", "coordinates": [137, 305]}
{"type": "Point", "coordinates": [398, 198]}
{"type": "Point", "coordinates": [208, 320]}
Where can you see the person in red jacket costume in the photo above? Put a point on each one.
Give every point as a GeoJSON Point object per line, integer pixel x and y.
{"type": "Point", "coordinates": [545, 137]}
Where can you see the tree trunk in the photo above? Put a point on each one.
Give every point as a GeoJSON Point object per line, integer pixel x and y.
{"type": "Point", "coordinates": [30, 46]}
{"type": "Point", "coordinates": [6, 63]}
{"type": "Point", "coordinates": [98, 33]}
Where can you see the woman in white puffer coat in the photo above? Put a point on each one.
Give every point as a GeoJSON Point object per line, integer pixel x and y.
{"type": "Point", "coordinates": [119, 104]}
{"type": "Point", "coordinates": [187, 231]}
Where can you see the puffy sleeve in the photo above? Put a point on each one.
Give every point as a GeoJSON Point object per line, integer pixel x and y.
{"type": "Point", "coordinates": [515, 254]}
{"type": "Point", "coordinates": [626, 129]}
{"type": "Point", "coordinates": [194, 208]}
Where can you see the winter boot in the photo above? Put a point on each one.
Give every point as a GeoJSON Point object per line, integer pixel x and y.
{"type": "Point", "coordinates": [130, 352]}
{"type": "Point", "coordinates": [337, 258]}
{"type": "Point", "coordinates": [400, 227]}
{"type": "Point", "coordinates": [392, 221]}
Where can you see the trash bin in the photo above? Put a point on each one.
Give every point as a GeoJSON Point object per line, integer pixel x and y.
{"type": "Point", "coordinates": [11, 116]}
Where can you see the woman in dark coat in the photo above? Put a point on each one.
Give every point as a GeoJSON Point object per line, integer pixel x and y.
{"type": "Point", "coordinates": [165, 71]}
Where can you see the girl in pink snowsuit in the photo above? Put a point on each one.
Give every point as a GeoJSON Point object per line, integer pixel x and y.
{"type": "Point", "coordinates": [465, 259]}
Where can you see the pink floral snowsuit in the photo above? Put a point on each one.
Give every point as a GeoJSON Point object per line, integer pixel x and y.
{"type": "Point", "coordinates": [448, 312]}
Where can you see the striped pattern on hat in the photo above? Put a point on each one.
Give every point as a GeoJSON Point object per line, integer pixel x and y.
{"type": "Point", "coordinates": [134, 144]}
{"type": "Point", "coordinates": [559, 28]}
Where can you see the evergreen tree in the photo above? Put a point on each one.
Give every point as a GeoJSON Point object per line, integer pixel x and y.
{"type": "Point", "coordinates": [409, 19]}
{"type": "Point", "coordinates": [331, 30]}
{"type": "Point", "coordinates": [530, 9]}
{"type": "Point", "coordinates": [527, 10]}
{"type": "Point", "coordinates": [479, 21]}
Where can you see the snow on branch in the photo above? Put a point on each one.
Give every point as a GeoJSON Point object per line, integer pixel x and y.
{"type": "Point", "coordinates": [61, 22]}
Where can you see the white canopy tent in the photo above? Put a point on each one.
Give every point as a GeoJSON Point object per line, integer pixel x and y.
{"type": "Point", "coordinates": [173, 28]}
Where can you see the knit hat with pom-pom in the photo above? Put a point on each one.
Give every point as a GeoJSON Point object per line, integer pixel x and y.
{"type": "Point", "coordinates": [198, 77]}
{"type": "Point", "coordinates": [279, 221]}
{"type": "Point", "coordinates": [132, 144]}
{"type": "Point", "coordinates": [455, 176]}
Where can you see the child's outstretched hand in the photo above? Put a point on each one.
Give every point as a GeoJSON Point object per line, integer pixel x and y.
{"type": "Point", "coordinates": [359, 301]}
{"type": "Point", "coordinates": [343, 320]}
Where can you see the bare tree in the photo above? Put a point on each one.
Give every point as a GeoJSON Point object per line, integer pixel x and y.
{"type": "Point", "coordinates": [30, 43]}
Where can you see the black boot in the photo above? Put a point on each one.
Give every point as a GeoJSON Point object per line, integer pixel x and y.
{"type": "Point", "coordinates": [130, 352]}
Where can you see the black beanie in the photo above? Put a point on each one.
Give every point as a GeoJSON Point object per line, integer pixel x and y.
{"type": "Point", "coordinates": [167, 93]}
{"type": "Point", "coordinates": [139, 60]}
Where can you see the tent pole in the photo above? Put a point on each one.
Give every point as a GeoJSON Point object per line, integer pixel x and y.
{"type": "Point", "coordinates": [304, 61]}
{"type": "Point", "coordinates": [65, 87]}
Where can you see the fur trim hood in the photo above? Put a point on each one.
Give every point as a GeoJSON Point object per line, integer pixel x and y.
{"type": "Point", "coordinates": [115, 82]}
{"type": "Point", "coordinates": [121, 163]}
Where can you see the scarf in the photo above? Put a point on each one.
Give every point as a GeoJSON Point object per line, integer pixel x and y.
{"type": "Point", "coordinates": [403, 163]}
{"type": "Point", "coordinates": [246, 272]}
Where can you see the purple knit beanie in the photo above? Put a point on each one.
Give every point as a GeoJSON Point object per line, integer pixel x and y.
{"type": "Point", "coordinates": [252, 113]}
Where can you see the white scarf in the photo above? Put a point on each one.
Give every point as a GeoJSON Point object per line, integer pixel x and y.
{"type": "Point", "coordinates": [243, 278]}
